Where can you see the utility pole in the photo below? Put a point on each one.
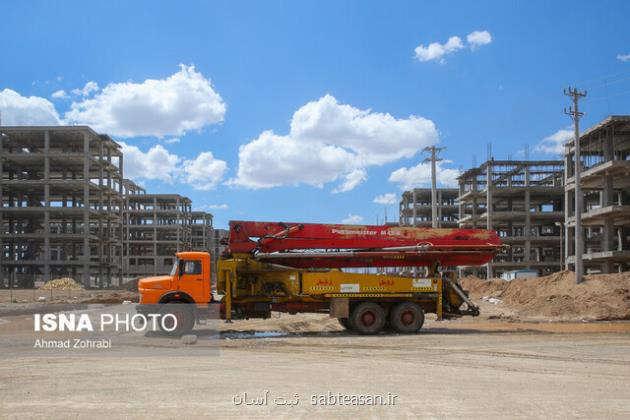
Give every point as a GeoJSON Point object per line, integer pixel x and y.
{"type": "Point", "coordinates": [433, 159]}
{"type": "Point", "coordinates": [575, 114]}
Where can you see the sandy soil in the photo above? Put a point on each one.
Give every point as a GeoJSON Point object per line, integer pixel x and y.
{"type": "Point", "coordinates": [555, 297]}
{"type": "Point", "coordinates": [520, 359]}
{"type": "Point", "coordinates": [474, 368]}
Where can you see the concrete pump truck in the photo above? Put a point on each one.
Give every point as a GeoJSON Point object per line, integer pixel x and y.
{"type": "Point", "coordinates": [298, 267]}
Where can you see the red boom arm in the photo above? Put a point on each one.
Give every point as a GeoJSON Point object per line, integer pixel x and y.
{"type": "Point", "coordinates": [312, 245]}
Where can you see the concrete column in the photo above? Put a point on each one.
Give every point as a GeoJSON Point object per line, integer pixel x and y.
{"type": "Point", "coordinates": [179, 222]}
{"type": "Point", "coordinates": [609, 146]}
{"type": "Point", "coordinates": [413, 209]}
{"type": "Point", "coordinates": [124, 234]}
{"type": "Point", "coordinates": [155, 249]}
{"type": "Point", "coordinates": [101, 236]}
{"type": "Point", "coordinates": [402, 218]}
{"type": "Point", "coordinates": [439, 209]}
{"type": "Point", "coordinates": [46, 206]}
{"type": "Point", "coordinates": [608, 234]}
{"type": "Point", "coordinates": [489, 206]}
{"type": "Point", "coordinates": [528, 227]}
{"type": "Point", "coordinates": [86, 210]}
{"type": "Point", "coordinates": [460, 204]}
{"type": "Point", "coordinates": [2, 230]}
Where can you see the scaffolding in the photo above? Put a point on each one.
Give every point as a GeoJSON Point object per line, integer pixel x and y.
{"type": "Point", "coordinates": [605, 182]}
{"type": "Point", "coordinates": [61, 212]}
{"type": "Point", "coordinates": [523, 202]}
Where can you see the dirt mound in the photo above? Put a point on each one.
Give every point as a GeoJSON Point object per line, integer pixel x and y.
{"type": "Point", "coordinates": [64, 283]}
{"type": "Point", "coordinates": [599, 297]}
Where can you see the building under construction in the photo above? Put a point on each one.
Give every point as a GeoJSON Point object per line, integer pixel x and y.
{"type": "Point", "coordinates": [218, 245]}
{"type": "Point", "coordinates": [67, 211]}
{"type": "Point", "coordinates": [62, 206]}
{"type": "Point", "coordinates": [524, 202]}
{"type": "Point", "coordinates": [201, 231]}
{"type": "Point", "coordinates": [156, 227]}
{"type": "Point", "coordinates": [416, 208]}
{"type": "Point", "coordinates": [605, 183]}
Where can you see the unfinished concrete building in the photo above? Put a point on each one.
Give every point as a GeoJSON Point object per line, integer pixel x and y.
{"type": "Point", "coordinates": [61, 212]}
{"type": "Point", "coordinates": [415, 208]}
{"type": "Point", "coordinates": [605, 182]}
{"type": "Point", "coordinates": [524, 202]}
{"type": "Point", "coordinates": [217, 248]}
{"type": "Point", "coordinates": [201, 231]}
{"type": "Point", "coordinates": [156, 227]}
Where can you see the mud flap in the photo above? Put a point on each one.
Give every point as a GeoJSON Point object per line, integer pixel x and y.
{"type": "Point", "coordinates": [340, 308]}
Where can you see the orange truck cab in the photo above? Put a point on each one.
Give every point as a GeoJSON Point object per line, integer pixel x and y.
{"type": "Point", "coordinates": [181, 293]}
{"type": "Point", "coordinates": [188, 282]}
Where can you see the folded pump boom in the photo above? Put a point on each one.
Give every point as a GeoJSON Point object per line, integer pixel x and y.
{"type": "Point", "coordinates": [313, 245]}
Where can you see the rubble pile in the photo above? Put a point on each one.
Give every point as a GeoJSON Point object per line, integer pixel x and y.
{"type": "Point", "coordinates": [64, 283]}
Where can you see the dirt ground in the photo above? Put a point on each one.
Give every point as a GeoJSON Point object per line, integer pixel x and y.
{"type": "Point", "coordinates": [473, 368]}
{"type": "Point", "coordinates": [600, 297]}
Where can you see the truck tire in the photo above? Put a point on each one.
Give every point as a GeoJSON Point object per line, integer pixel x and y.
{"type": "Point", "coordinates": [368, 318]}
{"type": "Point", "coordinates": [406, 318]}
{"type": "Point", "coordinates": [184, 314]}
{"type": "Point", "coordinates": [345, 322]}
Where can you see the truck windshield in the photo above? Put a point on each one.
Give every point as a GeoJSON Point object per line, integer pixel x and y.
{"type": "Point", "coordinates": [174, 269]}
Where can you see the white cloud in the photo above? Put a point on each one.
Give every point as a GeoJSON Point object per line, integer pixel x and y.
{"type": "Point", "coordinates": [478, 38]}
{"type": "Point", "coordinates": [352, 219]}
{"type": "Point", "coordinates": [623, 57]}
{"type": "Point", "coordinates": [386, 199]}
{"type": "Point", "coordinates": [59, 94]}
{"type": "Point", "coordinates": [89, 87]}
{"type": "Point", "coordinates": [204, 172]}
{"type": "Point", "coordinates": [554, 144]}
{"type": "Point", "coordinates": [351, 180]}
{"type": "Point", "coordinates": [437, 51]}
{"type": "Point", "coordinates": [328, 142]}
{"type": "Point", "coordinates": [22, 110]}
{"type": "Point", "coordinates": [172, 140]}
{"type": "Point", "coordinates": [420, 175]}
{"type": "Point", "coordinates": [155, 164]}
{"type": "Point", "coordinates": [216, 206]}
{"type": "Point", "coordinates": [182, 102]}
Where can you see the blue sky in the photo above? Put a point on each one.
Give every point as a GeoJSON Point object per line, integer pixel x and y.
{"type": "Point", "coordinates": [267, 60]}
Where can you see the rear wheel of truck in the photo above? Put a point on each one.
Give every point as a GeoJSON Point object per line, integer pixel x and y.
{"type": "Point", "coordinates": [406, 318]}
{"type": "Point", "coordinates": [345, 322]}
{"type": "Point", "coordinates": [178, 318]}
{"type": "Point", "coordinates": [368, 318]}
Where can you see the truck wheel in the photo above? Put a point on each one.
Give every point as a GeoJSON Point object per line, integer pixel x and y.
{"type": "Point", "coordinates": [406, 318]}
{"type": "Point", "coordinates": [345, 322]}
{"type": "Point", "coordinates": [368, 318]}
{"type": "Point", "coordinates": [184, 321]}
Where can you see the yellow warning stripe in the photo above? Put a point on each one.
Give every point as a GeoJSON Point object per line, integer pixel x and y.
{"type": "Point", "coordinates": [349, 295]}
